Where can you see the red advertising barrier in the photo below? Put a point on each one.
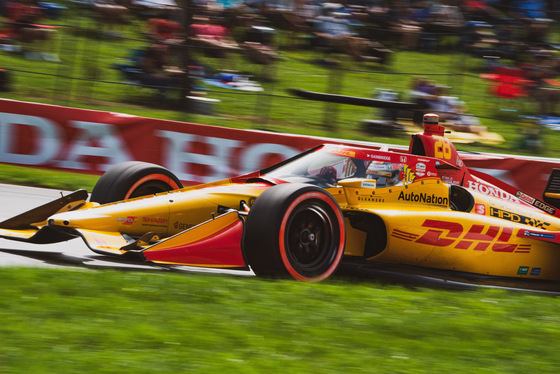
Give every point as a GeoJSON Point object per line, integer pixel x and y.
{"type": "Point", "coordinates": [90, 141]}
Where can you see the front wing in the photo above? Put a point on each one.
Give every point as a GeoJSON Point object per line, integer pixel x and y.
{"type": "Point", "coordinates": [214, 243]}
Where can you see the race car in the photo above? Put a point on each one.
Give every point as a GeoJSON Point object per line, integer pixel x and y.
{"type": "Point", "coordinates": [419, 212]}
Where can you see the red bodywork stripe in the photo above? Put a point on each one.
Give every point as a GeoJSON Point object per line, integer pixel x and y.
{"type": "Point", "coordinates": [221, 249]}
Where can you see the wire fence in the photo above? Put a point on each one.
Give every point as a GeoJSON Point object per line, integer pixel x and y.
{"type": "Point", "coordinates": [78, 61]}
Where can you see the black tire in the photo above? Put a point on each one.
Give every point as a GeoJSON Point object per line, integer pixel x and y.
{"type": "Point", "coordinates": [294, 230]}
{"type": "Point", "coordinates": [133, 179]}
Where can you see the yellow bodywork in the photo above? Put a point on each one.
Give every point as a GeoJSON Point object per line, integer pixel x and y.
{"type": "Point", "coordinates": [165, 214]}
{"type": "Point", "coordinates": [489, 240]}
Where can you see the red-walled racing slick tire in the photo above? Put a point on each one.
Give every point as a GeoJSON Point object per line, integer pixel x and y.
{"type": "Point", "coordinates": [133, 179]}
{"type": "Point", "coordinates": [294, 230]}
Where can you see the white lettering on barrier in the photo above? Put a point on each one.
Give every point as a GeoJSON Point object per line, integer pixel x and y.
{"type": "Point", "coordinates": [175, 159]}
{"type": "Point", "coordinates": [254, 155]}
{"type": "Point", "coordinates": [48, 137]}
{"type": "Point", "coordinates": [110, 146]}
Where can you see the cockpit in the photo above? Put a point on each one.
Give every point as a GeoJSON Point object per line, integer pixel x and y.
{"type": "Point", "coordinates": [324, 168]}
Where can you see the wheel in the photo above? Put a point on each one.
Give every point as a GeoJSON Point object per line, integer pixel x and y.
{"type": "Point", "coordinates": [294, 230]}
{"type": "Point", "coordinates": [133, 179]}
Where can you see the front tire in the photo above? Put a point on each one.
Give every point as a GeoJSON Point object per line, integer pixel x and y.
{"type": "Point", "coordinates": [132, 179]}
{"type": "Point", "coordinates": [294, 230]}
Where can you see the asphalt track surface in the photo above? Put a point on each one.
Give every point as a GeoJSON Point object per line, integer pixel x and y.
{"type": "Point", "coordinates": [18, 199]}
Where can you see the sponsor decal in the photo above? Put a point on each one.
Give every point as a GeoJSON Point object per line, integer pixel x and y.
{"type": "Point", "coordinates": [403, 235]}
{"type": "Point", "coordinates": [459, 162]}
{"type": "Point", "coordinates": [450, 180]}
{"type": "Point", "coordinates": [408, 175]}
{"type": "Point", "coordinates": [126, 220]}
{"type": "Point", "coordinates": [525, 197]}
{"type": "Point", "coordinates": [536, 272]}
{"type": "Point", "coordinates": [514, 217]}
{"type": "Point", "coordinates": [379, 157]}
{"type": "Point", "coordinates": [344, 152]}
{"type": "Point", "coordinates": [182, 226]}
{"type": "Point", "coordinates": [480, 209]}
{"type": "Point", "coordinates": [161, 221]}
{"type": "Point", "coordinates": [531, 234]}
{"type": "Point", "coordinates": [369, 184]}
{"type": "Point", "coordinates": [371, 199]}
{"type": "Point", "coordinates": [492, 191]}
{"type": "Point", "coordinates": [536, 203]}
{"type": "Point", "coordinates": [423, 198]}
{"type": "Point", "coordinates": [442, 148]}
{"type": "Point", "coordinates": [543, 206]}
{"type": "Point", "coordinates": [403, 159]}
{"type": "Point", "coordinates": [420, 169]}
{"type": "Point", "coordinates": [523, 270]}
{"type": "Point", "coordinates": [154, 221]}
{"type": "Point", "coordinates": [454, 235]}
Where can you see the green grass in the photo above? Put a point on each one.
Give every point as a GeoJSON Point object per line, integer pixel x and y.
{"type": "Point", "coordinates": [129, 322]}
{"type": "Point", "coordinates": [21, 175]}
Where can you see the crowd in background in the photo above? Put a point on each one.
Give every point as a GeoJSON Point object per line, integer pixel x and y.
{"type": "Point", "coordinates": [512, 34]}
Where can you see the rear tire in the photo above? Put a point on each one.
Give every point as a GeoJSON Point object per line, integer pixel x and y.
{"type": "Point", "coordinates": [294, 230]}
{"type": "Point", "coordinates": [132, 179]}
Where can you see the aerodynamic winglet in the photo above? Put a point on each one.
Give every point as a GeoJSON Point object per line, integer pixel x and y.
{"type": "Point", "coordinates": [40, 214]}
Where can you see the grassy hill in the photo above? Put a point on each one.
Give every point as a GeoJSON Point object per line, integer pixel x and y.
{"type": "Point", "coordinates": [69, 321]}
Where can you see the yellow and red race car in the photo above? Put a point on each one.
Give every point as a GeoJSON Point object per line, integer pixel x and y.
{"type": "Point", "coordinates": [421, 212]}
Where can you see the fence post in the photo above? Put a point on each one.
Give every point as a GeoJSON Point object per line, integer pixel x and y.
{"type": "Point", "coordinates": [186, 86]}
{"type": "Point", "coordinates": [331, 110]}
{"type": "Point", "coordinates": [263, 103]}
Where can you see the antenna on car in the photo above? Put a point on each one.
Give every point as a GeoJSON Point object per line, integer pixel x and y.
{"type": "Point", "coordinates": [431, 125]}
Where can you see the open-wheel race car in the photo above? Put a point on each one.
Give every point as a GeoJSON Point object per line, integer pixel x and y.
{"type": "Point", "coordinates": [420, 212]}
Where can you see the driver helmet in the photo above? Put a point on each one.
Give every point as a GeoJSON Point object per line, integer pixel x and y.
{"type": "Point", "coordinates": [385, 173]}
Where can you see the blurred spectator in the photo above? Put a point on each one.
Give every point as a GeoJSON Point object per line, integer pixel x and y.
{"type": "Point", "coordinates": [543, 71]}
{"type": "Point", "coordinates": [258, 44]}
{"type": "Point", "coordinates": [215, 40]}
{"type": "Point", "coordinates": [530, 9]}
{"type": "Point", "coordinates": [36, 40]}
{"type": "Point", "coordinates": [536, 33]}
{"type": "Point", "coordinates": [482, 10]}
{"type": "Point", "coordinates": [434, 99]}
{"type": "Point", "coordinates": [156, 72]}
{"type": "Point", "coordinates": [110, 15]}
{"type": "Point", "coordinates": [5, 81]}
{"type": "Point", "coordinates": [164, 30]}
{"type": "Point", "coordinates": [334, 35]}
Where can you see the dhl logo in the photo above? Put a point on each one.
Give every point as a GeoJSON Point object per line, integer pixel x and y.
{"type": "Point", "coordinates": [344, 152]}
{"type": "Point", "coordinates": [453, 234]}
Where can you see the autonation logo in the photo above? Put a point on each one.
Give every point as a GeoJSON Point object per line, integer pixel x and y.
{"type": "Point", "coordinates": [423, 198]}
